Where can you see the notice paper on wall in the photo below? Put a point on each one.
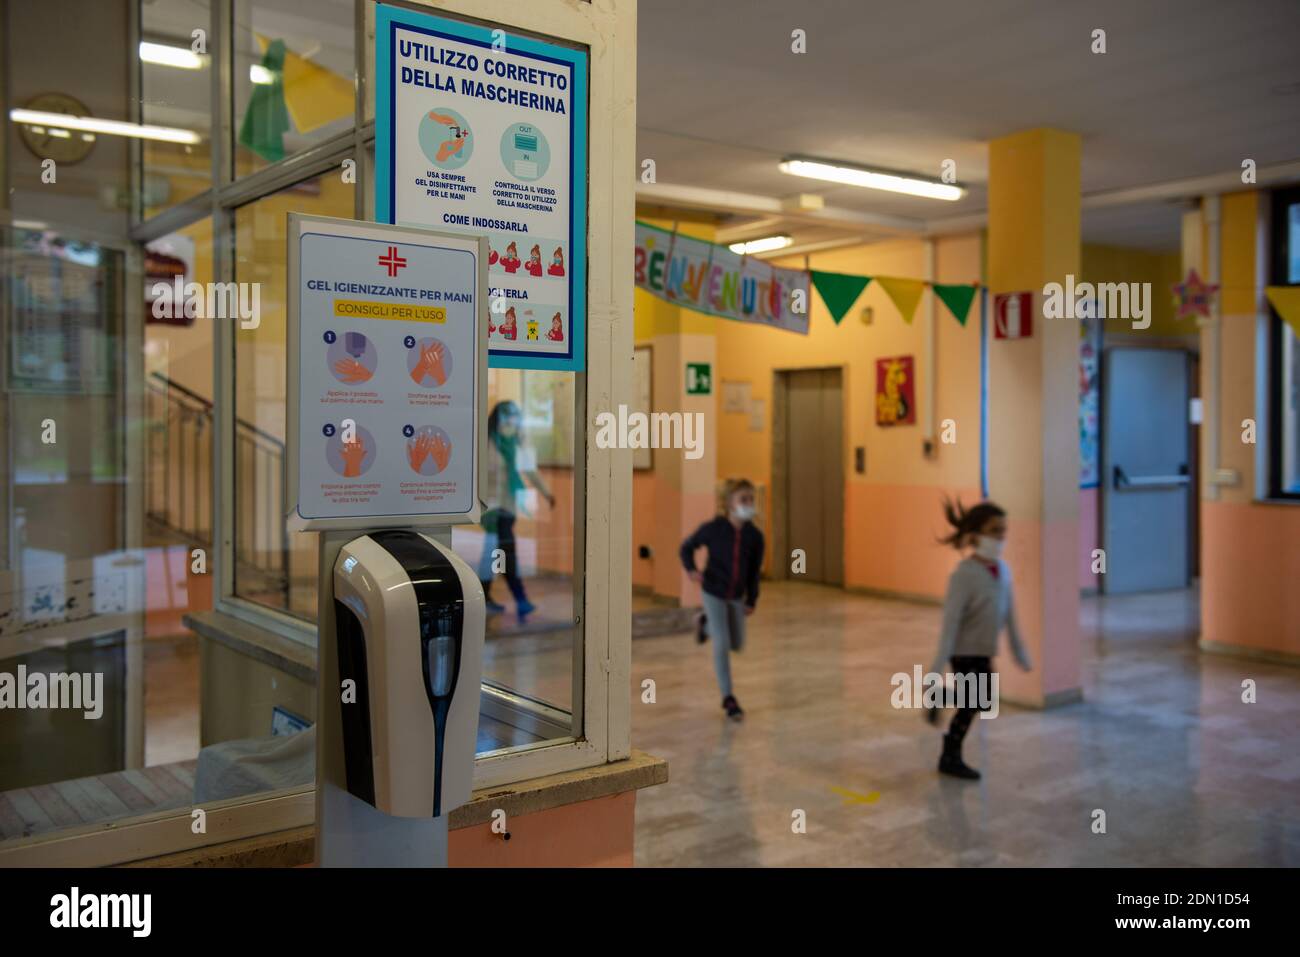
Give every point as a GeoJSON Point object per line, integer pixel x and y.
{"type": "Point", "coordinates": [387, 362]}
{"type": "Point", "coordinates": [484, 132]}
{"type": "Point", "coordinates": [735, 397]}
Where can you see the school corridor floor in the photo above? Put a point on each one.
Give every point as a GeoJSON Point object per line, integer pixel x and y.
{"type": "Point", "coordinates": [1186, 773]}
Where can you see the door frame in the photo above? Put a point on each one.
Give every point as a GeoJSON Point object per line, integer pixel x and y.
{"type": "Point", "coordinates": [778, 518]}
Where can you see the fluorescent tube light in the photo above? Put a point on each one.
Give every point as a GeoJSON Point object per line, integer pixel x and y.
{"type": "Point", "coordinates": [765, 245]}
{"type": "Point", "coordinates": [870, 179]}
{"type": "Point", "coordinates": [91, 124]}
{"type": "Point", "coordinates": [164, 55]}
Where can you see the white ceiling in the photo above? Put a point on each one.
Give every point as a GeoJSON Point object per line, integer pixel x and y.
{"type": "Point", "coordinates": [1186, 88]}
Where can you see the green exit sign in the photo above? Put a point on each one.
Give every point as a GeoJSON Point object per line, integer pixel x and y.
{"type": "Point", "coordinates": [699, 378]}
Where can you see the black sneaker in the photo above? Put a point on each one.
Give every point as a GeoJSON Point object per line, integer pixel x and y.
{"type": "Point", "coordinates": [733, 707]}
{"type": "Point", "coordinates": [701, 629]}
{"type": "Point", "coordinates": [950, 761]}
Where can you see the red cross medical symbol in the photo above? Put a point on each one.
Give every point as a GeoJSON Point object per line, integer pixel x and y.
{"type": "Point", "coordinates": [392, 262]}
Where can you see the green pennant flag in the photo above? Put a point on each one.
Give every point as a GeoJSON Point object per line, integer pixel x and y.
{"type": "Point", "coordinates": [839, 291]}
{"type": "Point", "coordinates": [267, 118]}
{"type": "Point", "coordinates": [957, 299]}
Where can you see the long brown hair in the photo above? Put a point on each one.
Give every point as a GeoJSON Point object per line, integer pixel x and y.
{"type": "Point", "coordinates": [967, 521]}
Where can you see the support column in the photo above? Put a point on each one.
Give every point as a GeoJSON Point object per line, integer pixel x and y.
{"type": "Point", "coordinates": [1033, 412]}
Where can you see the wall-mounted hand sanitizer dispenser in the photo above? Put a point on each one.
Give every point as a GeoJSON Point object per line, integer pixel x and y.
{"type": "Point", "coordinates": [409, 619]}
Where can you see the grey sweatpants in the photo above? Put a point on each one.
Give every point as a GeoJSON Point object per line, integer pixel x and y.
{"type": "Point", "coordinates": [727, 631]}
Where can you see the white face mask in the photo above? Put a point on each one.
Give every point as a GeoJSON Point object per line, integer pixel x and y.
{"type": "Point", "coordinates": [988, 548]}
{"type": "Point", "coordinates": [742, 513]}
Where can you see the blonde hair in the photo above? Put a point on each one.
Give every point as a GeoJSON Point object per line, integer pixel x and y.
{"type": "Point", "coordinates": [729, 488]}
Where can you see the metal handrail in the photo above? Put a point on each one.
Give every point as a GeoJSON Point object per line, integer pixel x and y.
{"type": "Point", "coordinates": [182, 433]}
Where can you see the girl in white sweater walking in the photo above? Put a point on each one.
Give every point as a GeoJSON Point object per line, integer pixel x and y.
{"type": "Point", "coordinates": [978, 605]}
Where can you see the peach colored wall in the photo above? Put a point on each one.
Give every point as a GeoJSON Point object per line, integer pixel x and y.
{"type": "Point", "coordinates": [1089, 536]}
{"type": "Point", "coordinates": [1249, 567]}
{"type": "Point", "coordinates": [895, 546]}
{"type": "Point", "coordinates": [595, 833]}
{"type": "Point", "coordinates": [643, 527]}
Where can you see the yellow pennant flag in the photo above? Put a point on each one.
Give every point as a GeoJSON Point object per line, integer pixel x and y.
{"type": "Point", "coordinates": [1286, 300]}
{"type": "Point", "coordinates": [314, 95]}
{"type": "Point", "coordinates": [906, 293]}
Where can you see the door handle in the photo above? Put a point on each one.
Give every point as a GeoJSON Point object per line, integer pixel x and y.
{"type": "Point", "coordinates": [1124, 481]}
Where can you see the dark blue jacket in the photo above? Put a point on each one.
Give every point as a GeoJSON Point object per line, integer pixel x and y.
{"type": "Point", "coordinates": [735, 558]}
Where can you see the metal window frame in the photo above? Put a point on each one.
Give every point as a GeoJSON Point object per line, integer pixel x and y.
{"type": "Point", "coordinates": [1274, 265]}
{"type": "Point", "coordinates": [602, 480]}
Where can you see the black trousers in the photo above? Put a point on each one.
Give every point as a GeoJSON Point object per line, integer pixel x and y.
{"type": "Point", "coordinates": [505, 528]}
{"type": "Point", "coordinates": [977, 666]}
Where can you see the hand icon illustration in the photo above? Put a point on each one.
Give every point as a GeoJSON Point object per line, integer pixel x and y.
{"type": "Point", "coordinates": [350, 370]}
{"type": "Point", "coordinates": [417, 449]}
{"type": "Point", "coordinates": [440, 449]}
{"type": "Point", "coordinates": [353, 454]}
{"type": "Point", "coordinates": [431, 364]}
{"type": "Point", "coordinates": [431, 356]}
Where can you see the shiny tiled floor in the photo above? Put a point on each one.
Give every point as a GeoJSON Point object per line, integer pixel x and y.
{"type": "Point", "coordinates": [1187, 774]}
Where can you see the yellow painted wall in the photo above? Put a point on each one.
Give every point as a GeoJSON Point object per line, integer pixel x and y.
{"type": "Point", "coordinates": [1161, 270]}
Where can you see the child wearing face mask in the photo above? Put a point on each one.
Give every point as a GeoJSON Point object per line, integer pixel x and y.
{"type": "Point", "coordinates": [729, 579]}
{"type": "Point", "coordinates": [978, 605]}
{"type": "Point", "coordinates": [511, 465]}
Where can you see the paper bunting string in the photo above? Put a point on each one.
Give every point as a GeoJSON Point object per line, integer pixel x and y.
{"type": "Point", "coordinates": [957, 299]}
{"type": "Point", "coordinates": [716, 281]}
{"type": "Point", "coordinates": [1286, 300]}
{"type": "Point", "coordinates": [839, 291]}
{"type": "Point", "coordinates": [906, 293]}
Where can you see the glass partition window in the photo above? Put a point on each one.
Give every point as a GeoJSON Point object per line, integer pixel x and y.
{"type": "Point", "coordinates": [178, 394]}
{"type": "Point", "coordinates": [176, 93]}
{"type": "Point", "coordinates": [72, 582]}
{"type": "Point", "coordinates": [293, 77]}
{"type": "Point", "coordinates": [523, 551]}
{"type": "Point", "coordinates": [273, 567]}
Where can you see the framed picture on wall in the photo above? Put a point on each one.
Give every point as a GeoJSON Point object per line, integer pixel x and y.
{"type": "Point", "coordinates": [643, 399]}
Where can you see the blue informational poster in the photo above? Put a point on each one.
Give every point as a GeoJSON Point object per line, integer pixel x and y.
{"type": "Point", "coordinates": [482, 131]}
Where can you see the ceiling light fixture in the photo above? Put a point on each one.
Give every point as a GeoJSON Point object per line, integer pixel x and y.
{"type": "Point", "coordinates": [869, 178]}
{"type": "Point", "coordinates": [765, 245]}
{"type": "Point", "coordinates": [91, 124]}
{"type": "Point", "coordinates": [164, 55]}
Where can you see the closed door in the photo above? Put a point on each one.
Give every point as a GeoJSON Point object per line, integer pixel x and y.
{"type": "Point", "coordinates": [814, 507]}
{"type": "Point", "coordinates": [1146, 470]}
